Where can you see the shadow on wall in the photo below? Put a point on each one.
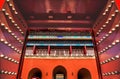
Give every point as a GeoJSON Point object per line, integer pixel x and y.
{"type": "Point", "coordinates": [35, 73]}
{"type": "Point", "coordinates": [84, 74]}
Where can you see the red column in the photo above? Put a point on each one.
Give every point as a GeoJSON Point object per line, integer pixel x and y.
{"type": "Point", "coordinates": [34, 49]}
{"type": "Point", "coordinates": [70, 52]}
{"type": "Point", "coordinates": [49, 50]}
{"type": "Point", "coordinates": [85, 50]}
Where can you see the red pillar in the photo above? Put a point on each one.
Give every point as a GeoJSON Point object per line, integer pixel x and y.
{"type": "Point", "coordinates": [70, 52]}
{"type": "Point", "coordinates": [49, 50]}
{"type": "Point", "coordinates": [34, 49]}
{"type": "Point", "coordinates": [85, 50]}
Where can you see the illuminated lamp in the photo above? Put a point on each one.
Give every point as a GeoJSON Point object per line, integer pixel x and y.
{"type": "Point", "coordinates": [15, 36]}
{"type": "Point", "coordinates": [109, 59]}
{"type": "Point", "coordinates": [6, 72]}
{"type": "Point", "coordinates": [116, 10]}
{"type": "Point", "coordinates": [107, 35]}
{"type": "Point", "coordinates": [15, 48]}
{"type": "Point", "coordinates": [99, 31]}
{"type": "Point", "coordinates": [18, 39]}
{"type": "Point", "coordinates": [103, 62]}
{"type": "Point", "coordinates": [106, 73]}
{"type": "Point", "coordinates": [106, 10]}
{"type": "Point", "coordinates": [109, 18]}
{"type": "Point", "coordinates": [1, 39]}
{"type": "Point", "coordinates": [109, 46]}
{"type": "Point", "coordinates": [112, 1]}
{"type": "Point", "coordinates": [109, 5]}
{"type": "Point", "coordinates": [15, 73]}
{"type": "Point", "coordinates": [104, 37]}
{"type": "Point", "coordinates": [112, 73]}
{"type": "Point", "coordinates": [9, 31]}
{"type": "Point", "coordinates": [113, 29]}
{"type": "Point", "coordinates": [113, 43]}
{"type": "Point", "coordinates": [13, 21]}
{"type": "Point", "coordinates": [2, 24]}
{"type": "Point", "coordinates": [113, 15]}
{"type": "Point", "coordinates": [106, 48]}
{"type": "Point", "coordinates": [9, 58]}
{"type": "Point", "coordinates": [110, 32]}
{"type": "Point", "coordinates": [117, 41]}
{"type": "Point", "coordinates": [101, 39]}
{"type": "Point", "coordinates": [103, 74]}
{"type": "Point", "coordinates": [1, 55]}
{"type": "Point", "coordinates": [117, 25]}
{"type": "Point", "coordinates": [20, 52]}
{"type": "Point", "coordinates": [116, 72]}
{"type": "Point", "coordinates": [12, 33]}
{"type": "Point", "coordinates": [12, 47]}
{"type": "Point", "coordinates": [10, 4]}
{"type": "Point", "coordinates": [9, 72]}
{"type": "Point", "coordinates": [16, 12]}
{"type": "Point", "coordinates": [12, 60]}
{"type": "Point", "coordinates": [6, 57]}
{"type": "Point", "coordinates": [10, 17]}
{"type": "Point", "coordinates": [13, 8]}
{"type": "Point", "coordinates": [12, 73]}
{"type": "Point", "coordinates": [109, 73]}
{"type": "Point", "coordinates": [107, 22]}
{"type": "Point", "coordinates": [9, 44]}
{"type": "Point", "coordinates": [106, 61]}
{"type": "Point", "coordinates": [6, 13]}
{"type": "Point", "coordinates": [3, 9]}
{"type": "Point", "coordinates": [15, 24]}
{"type": "Point", "coordinates": [113, 58]}
{"type": "Point", "coordinates": [104, 25]}
{"type": "Point", "coordinates": [117, 56]}
{"type": "Point", "coordinates": [18, 27]}
{"type": "Point", "coordinates": [6, 28]}
{"type": "Point", "coordinates": [104, 13]}
{"type": "Point", "coordinates": [22, 32]}
{"type": "Point", "coordinates": [7, 0]}
{"type": "Point", "coordinates": [101, 28]}
{"type": "Point", "coordinates": [2, 71]}
{"type": "Point", "coordinates": [5, 42]}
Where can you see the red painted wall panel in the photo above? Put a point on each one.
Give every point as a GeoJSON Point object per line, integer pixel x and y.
{"type": "Point", "coordinates": [112, 67]}
{"type": "Point", "coordinates": [71, 65]}
{"type": "Point", "coordinates": [7, 65]}
{"type": "Point", "coordinates": [1, 3]}
{"type": "Point", "coordinates": [3, 76]}
{"type": "Point", "coordinates": [112, 77]}
{"type": "Point", "coordinates": [118, 3]}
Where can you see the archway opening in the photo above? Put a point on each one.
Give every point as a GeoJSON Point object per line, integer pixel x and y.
{"type": "Point", "coordinates": [35, 73]}
{"type": "Point", "coordinates": [84, 74]}
{"type": "Point", "coordinates": [59, 72]}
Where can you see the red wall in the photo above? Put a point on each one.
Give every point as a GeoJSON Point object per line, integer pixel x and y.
{"type": "Point", "coordinates": [48, 65]}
